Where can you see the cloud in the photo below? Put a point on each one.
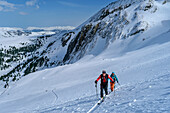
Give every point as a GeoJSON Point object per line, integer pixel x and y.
{"type": "Point", "coordinates": [6, 6]}
{"type": "Point", "coordinates": [1, 8]}
{"type": "Point", "coordinates": [23, 13]}
{"type": "Point", "coordinates": [31, 3]}
{"type": "Point", "coordinates": [70, 4]}
{"type": "Point", "coordinates": [37, 6]}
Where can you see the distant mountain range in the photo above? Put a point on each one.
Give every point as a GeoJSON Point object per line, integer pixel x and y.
{"type": "Point", "coordinates": [32, 31]}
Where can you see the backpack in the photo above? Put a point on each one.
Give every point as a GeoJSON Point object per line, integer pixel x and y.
{"type": "Point", "coordinates": [114, 79]}
{"type": "Point", "coordinates": [102, 78]}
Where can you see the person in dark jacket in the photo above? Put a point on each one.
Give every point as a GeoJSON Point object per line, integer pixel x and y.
{"type": "Point", "coordinates": [104, 82]}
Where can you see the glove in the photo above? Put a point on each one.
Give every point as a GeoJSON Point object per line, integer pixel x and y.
{"type": "Point", "coordinates": [118, 83]}
{"type": "Point", "coordinates": [95, 81]}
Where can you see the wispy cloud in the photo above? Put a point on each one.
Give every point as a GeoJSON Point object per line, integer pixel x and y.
{"type": "Point", "coordinates": [70, 4]}
{"type": "Point", "coordinates": [6, 6]}
{"type": "Point", "coordinates": [23, 13]}
{"type": "Point", "coordinates": [1, 8]}
{"type": "Point", "coordinates": [33, 3]}
{"type": "Point", "coordinates": [37, 6]}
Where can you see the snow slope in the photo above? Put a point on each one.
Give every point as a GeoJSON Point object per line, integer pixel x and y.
{"type": "Point", "coordinates": [140, 61]}
{"type": "Point", "coordinates": [143, 74]}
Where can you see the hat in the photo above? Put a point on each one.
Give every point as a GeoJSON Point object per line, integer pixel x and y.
{"type": "Point", "coordinates": [103, 71]}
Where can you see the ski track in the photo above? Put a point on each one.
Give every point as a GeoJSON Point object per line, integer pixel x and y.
{"type": "Point", "coordinates": [154, 97]}
{"type": "Point", "coordinates": [56, 96]}
{"type": "Point", "coordinates": [4, 91]}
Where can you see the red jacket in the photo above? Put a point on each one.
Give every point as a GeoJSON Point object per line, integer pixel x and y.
{"type": "Point", "coordinates": [104, 80]}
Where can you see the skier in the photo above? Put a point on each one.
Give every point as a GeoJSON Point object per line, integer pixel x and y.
{"type": "Point", "coordinates": [104, 82]}
{"type": "Point", "coordinates": [112, 83]}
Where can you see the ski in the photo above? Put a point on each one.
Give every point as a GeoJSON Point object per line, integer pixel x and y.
{"type": "Point", "coordinates": [97, 104]}
{"type": "Point", "coordinates": [100, 101]}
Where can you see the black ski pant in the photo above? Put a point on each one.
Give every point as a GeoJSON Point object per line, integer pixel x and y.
{"type": "Point", "coordinates": [103, 87]}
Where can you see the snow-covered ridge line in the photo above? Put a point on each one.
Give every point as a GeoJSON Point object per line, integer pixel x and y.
{"type": "Point", "coordinates": [39, 28]}
{"type": "Point", "coordinates": [32, 31]}
{"type": "Point", "coordinates": [10, 28]}
{"type": "Point", "coordinates": [52, 28]}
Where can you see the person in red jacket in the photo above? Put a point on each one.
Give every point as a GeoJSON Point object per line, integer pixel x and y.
{"type": "Point", "coordinates": [104, 82]}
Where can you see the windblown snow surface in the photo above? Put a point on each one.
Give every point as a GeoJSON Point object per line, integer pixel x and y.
{"type": "Point", "coordinates": [142, 67]}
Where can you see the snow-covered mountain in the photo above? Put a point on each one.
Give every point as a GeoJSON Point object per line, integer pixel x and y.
{"type": "Point", "coordinates": [12, 32]}
{"type": "Point", "coordinates": [19, 46]}
{"type": "Point", "coordinates": [130, 37]}
{"type": "Point", "coordinates": [120, 21]}
{"type": "Point", "coordinates": [51, 28]}
{"type": "Point", "coordinates": [32, 31]}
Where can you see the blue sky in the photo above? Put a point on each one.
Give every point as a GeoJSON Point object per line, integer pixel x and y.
{"type": "Point", "coordinates": [45, 13]}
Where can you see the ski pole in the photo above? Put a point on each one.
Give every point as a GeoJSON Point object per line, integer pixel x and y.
{"type": "Point", "coordinates": [114, 90]}
{"type": "Point", "coordinates": [96, 90]}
